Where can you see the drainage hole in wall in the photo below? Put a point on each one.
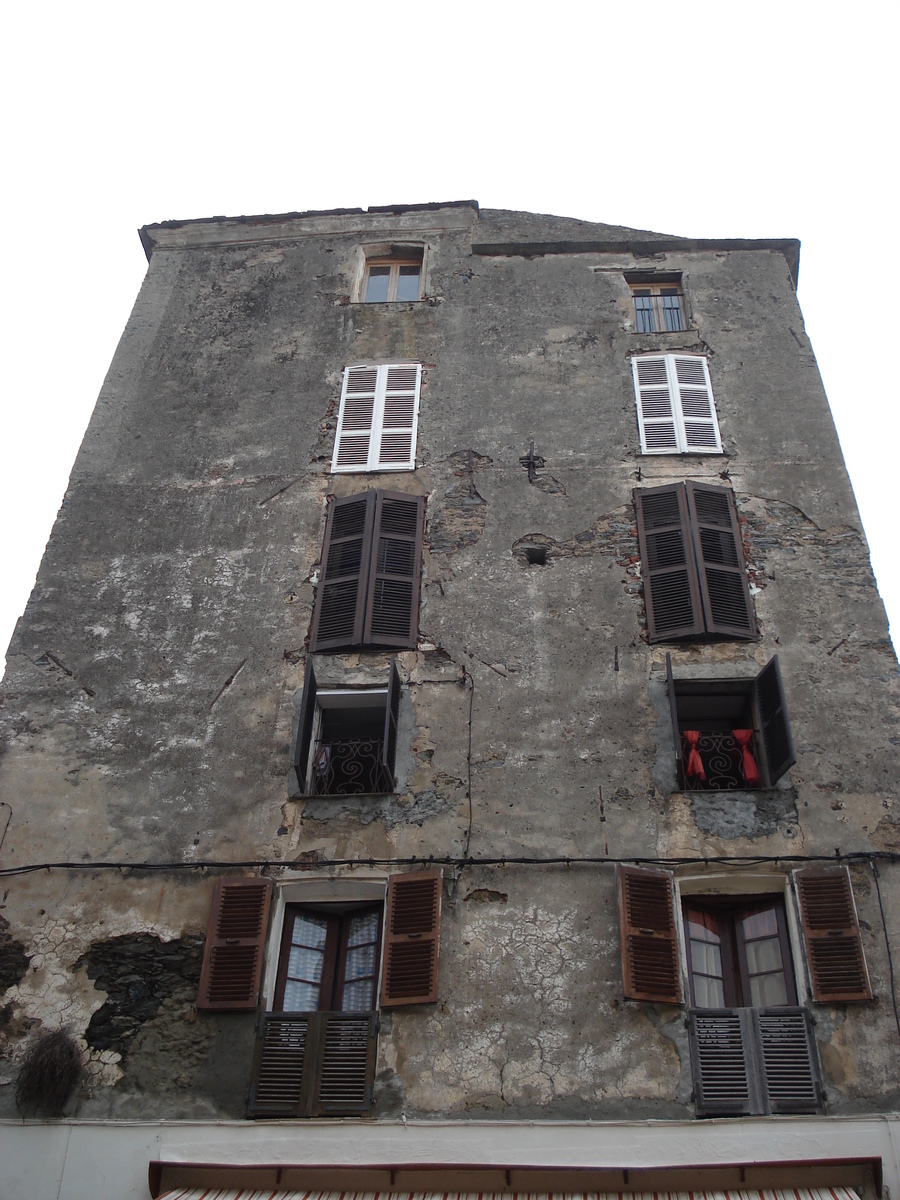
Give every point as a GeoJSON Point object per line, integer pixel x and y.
{"type": "Point", "coordinates": [536, 556]}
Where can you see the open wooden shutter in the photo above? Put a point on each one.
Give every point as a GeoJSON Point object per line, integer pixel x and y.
{"type": "Point", "coordinates": [339, 612]}
{"type": "Point", "coordinates": [412, 939]}
{"type": "Point", "coordinates": [648, 936]}
{"type": "Point", "coordinates": [837, 967]}
{"type": "Point", "coordinates": [235, 938]}
{"type": "Point", "coordinates": [720, 557]}
{"type": "Point", "coordinates": [655, 404]}
{"type": "Point", "coordinates": [725, 1083]}
{"type": "Point", "coordinates": [305, 722]}
{"type": "Point", "coordinates": [696, 407]}
{"type": "Point", "coordinates": [399, 387]}
{"type": "Point", "coordinates": [776, 741]}
{"type": "Point", "coordinates": [673, 708]}
{"type": "Point", "coordinates": [392, 614]}
{"type": "Point", "coordinates": [671, 586]}
{"type": "Point", "coordinates": [356, 420]}
{"type": "Point", "coordinates": [391, 721]}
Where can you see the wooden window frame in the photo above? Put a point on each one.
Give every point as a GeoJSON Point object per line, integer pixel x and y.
{"type": "Point", "coordinates": [335, 950]}
{"type": "Point", "coordinates": [378, 418]}
{"type": "Point", "coordinates": [394, 264]}
{"type": "Point", "coordinates": [670, 412]}
{"type": "Point", "coordinates": [658, 287]}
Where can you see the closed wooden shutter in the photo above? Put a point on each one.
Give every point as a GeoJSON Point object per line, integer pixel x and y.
{"type": "Point", "coordinates": [339, 612]}
{"type": "Point", "coordinates": [305, 722]}
{"type": "Point", "coordinates": [789, 1066]}
{"type": "Point", "coordinates": [280, 1061]}
{"type": "Point", "coordinates": [776, 741]}
{"type": "Point", "coordinates": [648, 936]}
{"type": "Point", "coordinates": [725, 1083]}
{"type": "Point", "coordinates": [346, 1066]}
{"type": "Point", "coordinates": [412, 939]}
{"type": "Point", "coordinates": [671, 583]}
{"type": "Point", "coordinates": [697, 410]}
{"type": "Point", "coordinates": [391, 721]}
{"type": "Point", "coordinates": [837, 966]}
{"type": "Point", "coordinates": [655, 405]}
{"type": "Point", "coordinates": [720, 557]}
{"type": "Point", "coordinates": [392, 614]}
{"type": "Point", "coordinates": [378, 418]}
{"type": "Point", "coordinates": [235, 937]}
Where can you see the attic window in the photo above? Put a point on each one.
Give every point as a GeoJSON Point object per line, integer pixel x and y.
{"type": "Point", "coordinates": [658, 303]}
{"type": "Point", "coordinates": [393, 277]}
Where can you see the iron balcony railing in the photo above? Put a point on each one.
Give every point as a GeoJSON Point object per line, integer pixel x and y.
{"type": "Point", "coordinates": [658, 314]}
{"type": "Point", "coordinates": [722, 760]}
{"type": "Point", "coordinates": [350, 767]}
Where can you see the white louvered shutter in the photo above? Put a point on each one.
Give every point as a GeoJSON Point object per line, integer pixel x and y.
{"type": "Point", "coordinates": [689, 375]}
{"type": "Point", "coordinates": [377, 422]}
{"type": "Point", "coordinates": [655, 407]}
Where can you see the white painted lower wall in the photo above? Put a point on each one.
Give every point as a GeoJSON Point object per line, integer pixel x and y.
{"type": "Point", "coordinates": [83, 1160]}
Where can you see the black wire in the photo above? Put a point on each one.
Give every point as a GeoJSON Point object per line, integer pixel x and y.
{"type": "Point", "coordinates": [887, 943]}
{"type": "Point", "coordinates": [471, 679]}
{"type": "Point", "coordinates": [505, 860]}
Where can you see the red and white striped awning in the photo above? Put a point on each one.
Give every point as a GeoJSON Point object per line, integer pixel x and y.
{"type": "Point", "coordinates": [834, 1193]}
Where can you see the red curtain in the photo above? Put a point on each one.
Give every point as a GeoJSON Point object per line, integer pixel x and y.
{"type": "Point", "coordinates": [749, 769]}
{"type": "Point", "coordinates": [693, 768]}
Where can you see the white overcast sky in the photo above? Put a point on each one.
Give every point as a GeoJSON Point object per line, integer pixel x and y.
{"type": "Point", "coordinates": [703, 119]}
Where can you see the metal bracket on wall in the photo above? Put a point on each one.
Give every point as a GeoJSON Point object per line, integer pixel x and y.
{"type": "Point", "coordinates": [532, 463]}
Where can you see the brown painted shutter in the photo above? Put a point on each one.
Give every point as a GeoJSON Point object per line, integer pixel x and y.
{"type": "Point", "coordinates": [777, 743]}
{"type": "Point", "coordinates": [305, 722]}
{"type": "Point", "coordinates": [278, 1087]}
{"type": "Point", "coordinates": [412, 938]}
{"type": "Point", "coordinates": [392, 612]}
{"type": "Point", "coordinates": [235, 937]}
{"type": "Point", "coordinates": [725, 1083]}
{"type": "Point", "coordinates": [788, 1059]}
{"type": "Point", "coordinates": [671, 587]}
{"type": "Point", "coordinates": [648, 936]}
{"type": "Point", "coordinates": [346, 553]}
{"type": "Point", "coordinates": [346, 1064]}
{"type": "Point", "coordinates": [673, 708]}
{"type": "Point", "coordinates": [391, 721]}
{"type": "Point", "coordinates": [720, 557]}
{"type": "Point", "coordinates": [837, 967]}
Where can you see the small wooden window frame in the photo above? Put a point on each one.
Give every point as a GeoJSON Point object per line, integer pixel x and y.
{"type": "Point", "coordinates": [336, 946]}
{"type": "Point", "coordinates": [394, 264]}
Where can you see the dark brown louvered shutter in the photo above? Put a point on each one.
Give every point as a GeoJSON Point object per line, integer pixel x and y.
{"type": "Point", "coordinates": [391, 722]}
{"type": "Point", "coordinates": [235, 937]}
{"type": "Point", "coordinates": [346, 1063]}
{"type": "Point", "coordinates": [412, 939]}
{"type": "Point", "coordinates": [676, 727]}
{"type": "Point", "coordinates": [777, 743]}
{"type": "Point", "coordinates": [725, 1083]}
{"type": "Point", "coordinates": [392, 610]}
{"type": "Point", "coordinates": [648, 936]}
{"type": "Point", "coordinates": [305, 721]}
{"type": "Point", "coordinates": [280, 1081]}
{"type": "Point", "coordinates": [339, 612]}
{"type": "Point", "coordinates": [720, 560]}
{"type": "Point", "coordinates": [837, 967]}
{"type": "Point", "coordinates": [671, 587]}
{"type": "Point", "coordinates": [788, 1058]}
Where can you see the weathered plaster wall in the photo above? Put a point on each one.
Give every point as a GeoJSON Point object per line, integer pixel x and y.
{"type": "Point", "coordinates": [150, 693]}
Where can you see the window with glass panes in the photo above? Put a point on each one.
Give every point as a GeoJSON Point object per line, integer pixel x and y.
{"type": "Point", "coordinates": [738, 953]}
{"type": "Point", "coordinates": [658, 308]}
{"type": "Point", "coordinates": [329, 960]}
{"type": "Point", "coordinates": [391, 279]}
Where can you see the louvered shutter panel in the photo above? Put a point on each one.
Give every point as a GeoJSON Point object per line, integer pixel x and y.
{"type": "Point", "coordinates": [392, 614]}
{"type": "Point", "coordinates": [837, 967]}
{"type": "Point", "coordinates": [696, 407]}
{"type": "Point", "coordinates": [777, 743]}
{"type": "Point", "coordinates": [788, 1058]}
{"type": "Point", "coordinates": [356, 420]}
{"type": "Point", "coordinates": [648, 937]}
{"type": "Point", "coordinates": [339, 612]}
{"type": "Point", "coordinates": [671, 587]}
{"type": "Point", "coordinates": [721, 1062]}
{"type": "Point", "coordinates": [720, 557]}
{"type": "Point", "coordinates": [412, 939]}
{"type": "Point", "coordinates": [655, 405]}
{"type": "Point", "coordinates": [346, 1064]}
{"type": "Point", "coordinates": [235, 937]}
{"type": "Point", "coordinates": [399, 387]}
{"type": "Point", "coordinates": [283, 1044]}
{"type": "Point", "coordinates": [391, 721]}
{"type": "Point", "coordinates": [305, 722]}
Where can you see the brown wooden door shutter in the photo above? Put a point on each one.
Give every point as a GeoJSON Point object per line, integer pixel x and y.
{"type": "Point", "coordinates": [671, 587]}
{"type": "Point", "coordinates": [775, 729]}
{"type": "Point", "coordinates": [305, 722]}
{"type": "Point", "coordinates": [725, 1083]}
{"type": "Point", "coordinates": [235, 938]}
{"type": "Point", "coordinates": [787, 1055]}
{"type": "Point", "coordinates": [648, 935]}
{"type": "Point", "coordinates": [346, 1065]}
{"type": "Point", "coordinates": [392, 616]}
{"type": "Point", "coordinates": [391, 721]}
{"type": "Point", "coordinates": [339, 612]}
{"type": "Point", "coordinates": [676, 727]}
{"type": "Point", "coordinates": [412, 939]}
{"type": "Point", "coordinates": [837, 967]}
{"type": "Point", "coordinates": [720, 558]}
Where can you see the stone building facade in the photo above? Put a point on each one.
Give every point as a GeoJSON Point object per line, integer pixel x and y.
{"type": "Point", "coordinates": [452, 741]}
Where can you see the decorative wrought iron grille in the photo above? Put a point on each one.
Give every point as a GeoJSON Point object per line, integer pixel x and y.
{"type": "Point", "coordinates": [721, 757]}
{"type": "Point", "coordinates": [350, 767]}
